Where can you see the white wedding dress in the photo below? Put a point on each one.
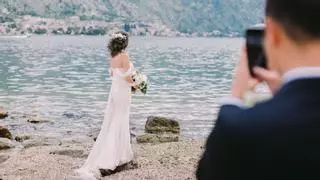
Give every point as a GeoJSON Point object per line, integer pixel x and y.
{"type": "Point", "coordinates": [112, 147]}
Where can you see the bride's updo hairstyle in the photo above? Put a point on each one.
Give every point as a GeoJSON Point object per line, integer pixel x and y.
{"type": "Point", "coordinates": [118, 43]}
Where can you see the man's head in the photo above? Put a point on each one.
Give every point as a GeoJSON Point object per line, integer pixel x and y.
{"type": "Point", "coordinates": [292, 27]}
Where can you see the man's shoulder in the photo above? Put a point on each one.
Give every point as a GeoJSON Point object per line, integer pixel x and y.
{"type": "Point", "coordinates": [296, 101]}
{"type": "Point", "coordinates": [263, 113]}
{"type": "Point", "coordinates": [261, 107]}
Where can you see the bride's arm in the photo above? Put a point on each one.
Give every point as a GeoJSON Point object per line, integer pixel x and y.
{"type": "Point", "coordinates": [127, 67]}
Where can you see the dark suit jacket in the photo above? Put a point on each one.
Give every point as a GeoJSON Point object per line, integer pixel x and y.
{"type": "Point", "coordinates": [278, 139]}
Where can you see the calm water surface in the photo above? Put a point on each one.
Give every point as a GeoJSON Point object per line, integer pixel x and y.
{"type": "Point", "coordinates": [65, 79]}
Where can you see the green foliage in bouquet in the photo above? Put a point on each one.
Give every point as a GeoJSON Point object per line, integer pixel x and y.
{"type": "Point", "coordinates": [143, 87]}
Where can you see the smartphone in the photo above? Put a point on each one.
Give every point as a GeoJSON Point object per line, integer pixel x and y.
{"type": "Point", "coordinates": [255, 50]}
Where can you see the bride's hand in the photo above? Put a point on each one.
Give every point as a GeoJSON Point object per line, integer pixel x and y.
{"type": "Point", "coordinates": [135, 86]}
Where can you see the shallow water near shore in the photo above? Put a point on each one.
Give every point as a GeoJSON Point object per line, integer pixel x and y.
{"type": "Point", "coordinates": [65, 80]}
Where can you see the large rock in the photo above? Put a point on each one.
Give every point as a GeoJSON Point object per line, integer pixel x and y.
{"type": "Point", "coordinates": [157, 138]}
{"type": "Point", "coordinates": [3, 113]}
{"type": "Point", "coordinates": [5, 144]}
{"type": "Point", "coordinates": [158, 125]}
{"type": "Point", "coordinates": [5, 133]}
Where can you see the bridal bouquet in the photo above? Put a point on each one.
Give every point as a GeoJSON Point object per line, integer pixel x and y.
{"type": "Point", "coordinates": [141, 82]}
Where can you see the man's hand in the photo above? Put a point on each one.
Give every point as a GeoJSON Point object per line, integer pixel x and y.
{"type": "Point", "coordinates": [244, 82]}
{"type": "Point", "coordinates": [272, 78]}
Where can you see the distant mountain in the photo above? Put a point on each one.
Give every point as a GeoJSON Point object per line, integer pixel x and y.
{"type": "Point", "coordinates": [186, 16]}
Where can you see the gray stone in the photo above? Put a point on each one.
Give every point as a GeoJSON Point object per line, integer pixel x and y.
{"type": "Point", "coordinates": [78, 142]}
{"type": "Point", "coordinates": [158, 125]}
{"type": "Point", "coordinates": [3, 113]}
{"type": "Point", "coordinates": [41, 142]}
{"type": "Point", "coordinates": [5, 133]}
{"type": "Point", "coordinates": [74, 153]}
{"type": "Point", "coordinates": [4, 157]}
{"type": "Point", "coordinates": [21, 138]}
{"type": "Point", "coordinates": [157, 138]}
{"type": "Point", "coordinates": [72, 115]}
{"type": "Point", "coordinates": [32, 143]}
{"type": "Point", "coordinates": [5, 144]}
{"type": "Point", "coordinates": [36, 118]}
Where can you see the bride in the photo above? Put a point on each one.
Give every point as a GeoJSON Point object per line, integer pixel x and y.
{"type": "Point", "coordinates": [112, 147]}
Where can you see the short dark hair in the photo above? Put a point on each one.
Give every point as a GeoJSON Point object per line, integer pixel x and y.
{"type": "Point", "coordinates": [118, 42]}
{"type": "Point", "coordinates": [299, 18]}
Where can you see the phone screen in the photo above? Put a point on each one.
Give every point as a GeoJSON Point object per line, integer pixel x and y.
{"type": "Point", "coordinates": [255, 51]}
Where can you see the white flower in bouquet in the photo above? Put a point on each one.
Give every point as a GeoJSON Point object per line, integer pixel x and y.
{"type": "Point", "coordinates": [118, 35]}
{"type": "Point", "coordinates": [140, 81]}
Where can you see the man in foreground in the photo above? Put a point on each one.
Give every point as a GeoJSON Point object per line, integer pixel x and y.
{"type": "Point", "coordinates": [279, 138]}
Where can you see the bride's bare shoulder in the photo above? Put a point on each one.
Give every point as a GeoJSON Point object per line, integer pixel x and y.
{"type": "Point", "coordinates": [124, 55]}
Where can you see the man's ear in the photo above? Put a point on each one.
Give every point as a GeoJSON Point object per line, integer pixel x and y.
{"type": "Point", "coordinates": [274, 32]}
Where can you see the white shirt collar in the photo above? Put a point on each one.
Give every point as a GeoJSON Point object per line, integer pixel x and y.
{"type": "Point", "coordinates": [301, 73]}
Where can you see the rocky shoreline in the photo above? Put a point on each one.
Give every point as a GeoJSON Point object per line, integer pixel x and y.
{"type": "Point", "coordinates": [164, 156]}
{"type": "Point", "coordinates": [172, 161]}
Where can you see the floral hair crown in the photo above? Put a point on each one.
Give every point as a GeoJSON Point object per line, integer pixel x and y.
{"type": "Point", "coordinates": [118, 35]}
